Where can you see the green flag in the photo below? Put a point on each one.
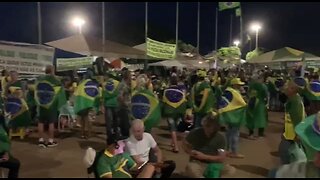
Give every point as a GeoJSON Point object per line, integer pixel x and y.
{"type": "Point", "coordinates": [238, 12]}
{"type": "Point", "coordinates": [228, 5]}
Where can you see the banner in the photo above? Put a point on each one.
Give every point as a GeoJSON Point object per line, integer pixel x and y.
{"type": "Point", "coordinates": [66, 64]}
{"type": "Point", "coordinates": [160, 50]}
{"type": "Point", "coordinates": [25, 58]}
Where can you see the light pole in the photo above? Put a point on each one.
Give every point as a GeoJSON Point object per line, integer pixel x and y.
{"type": "Point", "coordinates": [78, 22]}
{"type": "Point", "coordinates": [236, 43]}
{"type": "Point", "coordinates": [256, 28]}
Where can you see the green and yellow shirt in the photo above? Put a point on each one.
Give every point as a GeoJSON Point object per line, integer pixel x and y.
{"type": "Point", "coordinates": [116, 165]}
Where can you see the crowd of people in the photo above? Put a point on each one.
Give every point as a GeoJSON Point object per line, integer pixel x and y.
{"type": "Point", "coordinates": [199, 102]}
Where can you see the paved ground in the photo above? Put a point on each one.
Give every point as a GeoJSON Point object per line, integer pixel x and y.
{"type": "Point", "coordinates": [65, 160]}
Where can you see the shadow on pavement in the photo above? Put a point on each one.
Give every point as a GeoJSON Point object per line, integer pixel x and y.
{"type": "Point", "coordinates": [178, 175]}
{"type": "Point", "coordinates": [253, 169]}
{"type": "Point", "coordinates": [30, 139]}
{"type": "Point", "coordinates": [95, 145]}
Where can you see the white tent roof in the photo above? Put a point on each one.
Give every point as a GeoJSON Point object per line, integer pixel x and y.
{"type": "Point", "coordinates": [86, 45]}
{"type": "Point", "coordinates": [168, 63]}
{"type": "Point", "coordinates": [287, 54]}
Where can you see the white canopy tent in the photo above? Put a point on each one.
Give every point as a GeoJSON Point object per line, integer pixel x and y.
{"type": "Point", "coordinates": [285, 54]}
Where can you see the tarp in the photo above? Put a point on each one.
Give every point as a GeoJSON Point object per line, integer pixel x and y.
{"type": "Point", "coordinates": [285, 54]}
{"type": "Point", "coordinates": [91, 46]}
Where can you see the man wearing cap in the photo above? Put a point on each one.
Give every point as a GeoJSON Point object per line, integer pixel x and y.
{"type": "Point", "coordinates": [232, 109]}
{"type": "Point", "coordinates": [294, 114]}
{"type": "Point", "coordinates": [109, 164]}
{"type": "Point", "coordinates": [202, 97]}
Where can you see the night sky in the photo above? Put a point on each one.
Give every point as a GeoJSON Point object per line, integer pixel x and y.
{"type": "Point", "coordinates": [284, 24]}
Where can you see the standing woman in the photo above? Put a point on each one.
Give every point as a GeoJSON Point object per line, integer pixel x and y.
{"type": "Point", "coordinates": [257, 108]}
{"type": "Point", "coordinates": [86, 95]}
{"type": "Point", "coordinates": [174, 107]}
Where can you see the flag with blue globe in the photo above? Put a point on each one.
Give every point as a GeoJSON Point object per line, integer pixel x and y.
{"type": "Point", "coordinates": [145, 106]}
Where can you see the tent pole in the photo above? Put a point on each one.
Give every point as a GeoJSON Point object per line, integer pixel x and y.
{"type": "Point", "coordinates": [146, 35]}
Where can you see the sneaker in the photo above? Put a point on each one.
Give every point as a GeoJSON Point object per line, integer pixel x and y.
{"type": "Point", "coordinates": [42, 144]}
{"type": "Point", "coordinates": [52, 144]}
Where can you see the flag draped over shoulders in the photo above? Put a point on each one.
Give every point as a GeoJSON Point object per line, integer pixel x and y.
{"type": "Point", "coordinates": [145, 106]}
{"type": "Point", "coordinates": [49, 94]}
{"type": "Point", "coordinates": [17, 107]}
{"type": "Point", "coordinates": [231, 108]}
{"type": "Point", "coordinates": [174, 102]}
{"type": "Point", "coordinates": [86, 96]}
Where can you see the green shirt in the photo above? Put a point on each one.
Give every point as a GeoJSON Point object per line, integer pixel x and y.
{"type": "Point", "coordinates": [295, 108]}
{"type": "Point", "coordinates": [116, 165]}
{"type": "Point", "coordinates": [197, 95]}
{"type": "Point", "coordinates": [4, 141]}
{"type": "Point", "coordinates": [207, 145]}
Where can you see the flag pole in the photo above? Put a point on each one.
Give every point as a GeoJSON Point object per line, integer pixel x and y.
{"type": "Point", "coordinates": [103, 24]}
{"type": "Point", "coordinates": [216, 37]}
{"type": "Point", "coordinates": [146, 35]}
{"type": "Point", "coordinates": [39, 23]}
{"type": "Point", "coordinates": [177, 26]}
{"type": "Point", "coordinates": [241, 30]}
{"type": "Point", "coordinates": [230, 42]}
{"type": "Point", "coordinates": [198, 30]}
{"type": "Point", "coordinates": [216, 31]}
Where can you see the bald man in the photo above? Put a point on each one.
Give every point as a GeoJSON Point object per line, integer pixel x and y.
{"type": "Point", "coordinates": [294, 114]}
{"type": "Point", "coordinates": [139, 144]}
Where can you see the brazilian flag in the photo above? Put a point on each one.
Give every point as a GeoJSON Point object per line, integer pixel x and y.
{"type": "Point", "coordinates": [232, 108]}
{"type": "Point", "coordinates": [174, 102]}
{"type": "Point", "coordinates": [19, 112]}
{"type": "Point", "coordinates": [86, 96]}
{"type": "Point", "coordinates": [145, 106]}
{"type": "Point", "coordinates": [312, 91]}
{"type": "Point", "coordinates": [111, 92]}
{"type": "Point", "coordinates": [49, 94]}
{"type": "Point", "coordinates": [16, 106]}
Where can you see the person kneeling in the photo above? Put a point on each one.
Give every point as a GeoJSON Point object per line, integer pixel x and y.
{"type": "Point", "coordinates": [205, 147]}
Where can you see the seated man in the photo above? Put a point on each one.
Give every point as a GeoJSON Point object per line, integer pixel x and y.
{"type": "Point", "coordinates": [139, 145]}
{"type": "Point", "coordinates": [6, 159]}
{"type": "Point", "coordinates": [203, 145]}
{"type": "Point", "coordinates": [108, 164]}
